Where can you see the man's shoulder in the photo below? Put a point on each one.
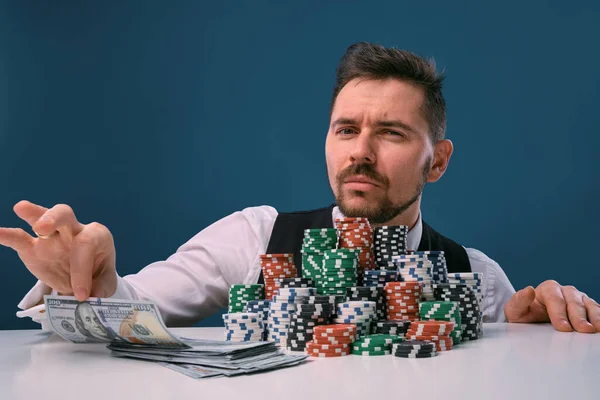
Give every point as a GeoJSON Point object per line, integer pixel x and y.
{"type": "Point", "coordinates": [259, 212]}
{"type": "Point", "coordinates": [479, 256]}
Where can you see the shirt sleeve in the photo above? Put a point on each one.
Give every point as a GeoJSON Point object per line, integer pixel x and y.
{"type": "Point", "coordinates": [497, 289]}
{"type": "Point", "coordinates": [193, 283]}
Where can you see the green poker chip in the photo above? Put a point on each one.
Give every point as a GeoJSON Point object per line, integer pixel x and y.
{"type": "Point", "coordinates": [370, 353]}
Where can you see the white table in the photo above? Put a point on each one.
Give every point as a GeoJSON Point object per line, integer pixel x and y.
{"type": "Point", "coordinates": [512, 361]}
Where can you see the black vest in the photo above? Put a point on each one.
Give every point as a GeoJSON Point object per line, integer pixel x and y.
{"type": "Point", "coordinates": [288, 232]}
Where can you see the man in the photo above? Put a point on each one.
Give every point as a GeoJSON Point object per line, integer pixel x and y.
{"type": "Point", "coordinates": [385, 142]}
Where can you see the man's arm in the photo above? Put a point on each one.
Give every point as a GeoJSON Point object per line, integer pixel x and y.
{"type": "Point", "coordinates": [565, 307]}
{"type": "Point", "coordinates": [193, 283]}
{"type": "Point", "coordinates": [497, 289]}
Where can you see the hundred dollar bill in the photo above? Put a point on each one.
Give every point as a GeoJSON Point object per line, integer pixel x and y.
{"type": "Point", "coordinates": [127, 322]}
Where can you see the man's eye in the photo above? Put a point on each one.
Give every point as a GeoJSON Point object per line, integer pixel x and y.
{"type": "Point", "coordinates": [346, 131]}
{"type": "Point", "coordinates": [394, 133]}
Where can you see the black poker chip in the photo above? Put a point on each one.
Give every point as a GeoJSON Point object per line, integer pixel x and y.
{"type": "Point", "coordinates": [296, 283]}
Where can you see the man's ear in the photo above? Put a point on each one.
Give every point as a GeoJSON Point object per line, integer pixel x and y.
{"type": "Point", "coordinates": [441, 157]}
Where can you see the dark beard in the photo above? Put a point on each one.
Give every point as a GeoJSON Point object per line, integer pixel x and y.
{"type": "Point", "coordinates": [386, 210]}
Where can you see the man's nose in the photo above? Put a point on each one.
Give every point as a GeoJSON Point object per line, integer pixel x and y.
{"type": "Point", "coordinates": [363, 151]}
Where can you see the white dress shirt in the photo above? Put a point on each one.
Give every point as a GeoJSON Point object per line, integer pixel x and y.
{"type": "Point", "coordinates": [194, 282]}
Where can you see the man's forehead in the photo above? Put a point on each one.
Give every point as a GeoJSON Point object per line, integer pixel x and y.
{"type": "Point", "coordinates": [371, 101]}
{"type": "Point", "coordinates": [378, 99]}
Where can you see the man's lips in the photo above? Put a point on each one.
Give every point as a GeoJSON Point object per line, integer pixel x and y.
{"type": "Point", "coordinates": [361, 179]}
{"type": "Point", "coordinates": [360, 183]}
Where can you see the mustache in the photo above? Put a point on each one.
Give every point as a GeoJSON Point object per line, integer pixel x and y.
{"type": "Point", "coordinates": [362, 169]}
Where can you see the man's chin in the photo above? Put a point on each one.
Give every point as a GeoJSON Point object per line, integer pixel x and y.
{"type": "Point", "coordinates": [357, 207]}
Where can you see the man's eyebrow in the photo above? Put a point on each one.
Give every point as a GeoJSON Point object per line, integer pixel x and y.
{"type": "Point", "coordinates": [344, 121]}
{"type": "Point", "coordinates": [384, 123]}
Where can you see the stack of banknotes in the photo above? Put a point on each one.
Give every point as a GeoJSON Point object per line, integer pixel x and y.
{"type": "Point", "coordinates": [135, 329]}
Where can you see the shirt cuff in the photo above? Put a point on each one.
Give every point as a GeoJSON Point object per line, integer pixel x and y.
{"type": "Point", "coordinates": [35, 296]}
{"type": "Point", "coordinates": [32, 304]}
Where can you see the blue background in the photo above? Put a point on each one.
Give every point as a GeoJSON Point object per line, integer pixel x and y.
{"type": "Point", "coordinates": [156, 119]}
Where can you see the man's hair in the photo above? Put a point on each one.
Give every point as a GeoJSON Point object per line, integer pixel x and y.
{"type": "Point", "coordinates": [373, 61]}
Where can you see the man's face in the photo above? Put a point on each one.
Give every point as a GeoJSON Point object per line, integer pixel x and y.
{"type": "Point", "coordinates": [378, 149]}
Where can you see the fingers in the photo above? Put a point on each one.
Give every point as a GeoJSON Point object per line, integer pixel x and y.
{"type": "Point", "coordinates": [517, 308]}
{"type": "Point", "coordinates": [16, 238]}
{"type": "Point", "coordinates": [59, 218]}
{"type": "Point", "coordinates": [28, 211]}
{"type": "Point", "coordinates": [576, 310]}
{"type": "Point", "coordinates": [92, 244]}
{"type": "Point", "coordinates": [549, 294]}
{"type": "Point", "coordinates": [593, 311]}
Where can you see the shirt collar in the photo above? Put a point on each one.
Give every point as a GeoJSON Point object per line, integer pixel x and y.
{"type": "Point", "coordinates": [414, 235]}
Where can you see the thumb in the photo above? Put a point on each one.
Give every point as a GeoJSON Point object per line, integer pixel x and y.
{"type": "Point", "coordinates": [517, 307]}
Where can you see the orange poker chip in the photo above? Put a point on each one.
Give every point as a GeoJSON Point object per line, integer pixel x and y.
{"type": "Point", "coordinates": [334, 336]}
{"type": "Point", "coordinates": [276, 256]}
{"type": "Point", "coordinates": [335, 329]}
{"type": "Point", "coordinates": [414, 307]}
{"type": "Point", "coordinates": [328, 355]}
{"type": "Point", "coordinates": [404, 296]}
{"type": "Point", "coordinates": [447, 327]}
{"type": "Point", "coordinates": [400, 307]}
{"type": "Point", "coordinates": [409, 295]}
{"type": "Point", "coordinates": [392, 286]}
{"type": "Point", "coordinates": [391, 313]}
{"type": "Point", "coordinates": [416, 332]}
{"type": "Point", "coordinates": [404, 317]}
{"type": "Point", "coordinates": [329, 347]}
{"type": "Point", "coordinates": [431, 338]}
{"type": "Point", "coordinates": [434, 325]}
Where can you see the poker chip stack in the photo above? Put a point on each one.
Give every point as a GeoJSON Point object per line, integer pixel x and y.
{"type": "Point", "coordinates": [314, 244]}
{"type": "Point", "coordinates": [243, 327]}
{"type": "Point", "coordinates": [474, 281]}
{"type": "Point", "coordinates": [414, 349]}
{"type": "Point", "coordinates": [296, 335]}
{"type": "Point", "coordinates": [239, 295]}
{"type": "Point", "coordinates": [356, 233]}
{"type": "Point", "coordinates": [302, 324]}
{"type": "Point", "coordinates": [467, 304]}
{"type": "Point", "coordinates": [402, 300]}
{"type": "Point", "coordinates": [416, 268]}
{"type": "Point", "coordinates": [439, 269]}
{"type": "Point", "coordinates": [443, 311]}
{"type": "Point", "coordinates": [338, 272]}
{"type": "Point", "coordinates": [389, 241]}
{"type": "Point", "coordinates": [331, 340]}
{"type": "Point", "coordinates": [281, 309]}
{"type": "Point", "coordinates": [369, 293]}
{"type": "Point", "coordinates": [437, 332]}
{"type": "Point", "coordinates": [260, 307]}
{"type": "Point", "coordinates": [375, 345]}
{"type": "Point", "coordinates": [391, 327]}
{"type": "Point", "coordinates": [275, 267]}
{"type": "Point", "coordinates": [359, 313]}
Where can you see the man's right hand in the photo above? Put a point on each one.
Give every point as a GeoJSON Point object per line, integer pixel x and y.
{"type": "Point", "coordinates": [68, 256]}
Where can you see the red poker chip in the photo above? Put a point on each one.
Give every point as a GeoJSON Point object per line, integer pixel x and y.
{"type": "Point", "coordinates": [335, 329]}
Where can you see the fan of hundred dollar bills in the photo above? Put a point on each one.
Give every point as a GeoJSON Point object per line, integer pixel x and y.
{"type": "Point", "coordinates": [135, 329]}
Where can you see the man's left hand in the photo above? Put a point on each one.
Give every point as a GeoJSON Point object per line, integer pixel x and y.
{"type": "Point", "coordinates": [566, 307]}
